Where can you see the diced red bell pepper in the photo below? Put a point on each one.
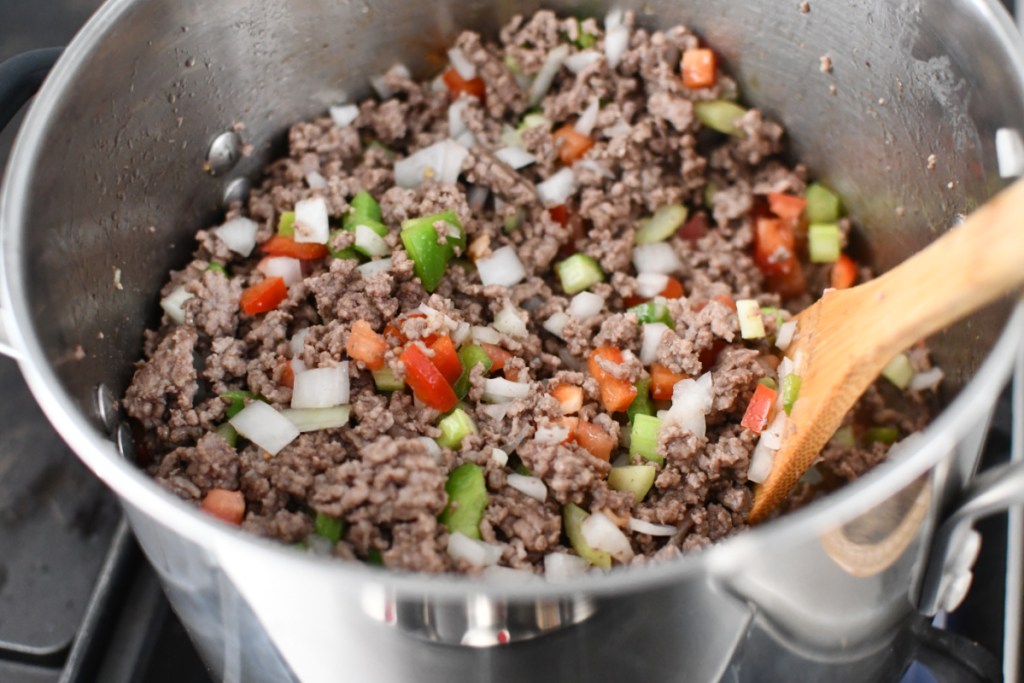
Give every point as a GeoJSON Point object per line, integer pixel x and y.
{"type": "Point", "coordinates": [698, 68]}
{"type": "Point", "coordinates": [673, 290]}
{"type": "Point", "coordinates": [593, 438]}
{"type": "Point", "coordinates": [774, 246]}
{"type": "Point", "coordinates": [844, 272]}
{"type": "Point", "coordinates": [279, 245]}
{"type": "Point", "coordinates": [458, 85]}
{"type": "Point", "coordinates": [559, 214]}
{"type": "Point", "coordinates": [571, 424]}
{"type": "Point", "coordinates": [786, 206]}
{"type": "Point", "coordinates": [663, 381]}
{"type": "Point", "coordinates": [571, 144]}
{"type": "Point", "coordinates": [287, 373]}
{"type": "Point", "coordinates": [616, 394]}
{"type": "Point", "coordinates": [426, 381]}
{"type": "Point", "coordinates": [760, 407]}
{"type": "Point", "coordinates": [446, 359]}
{"type": "Point", "coordinates": [365, 345]}
{"type": "Point", "coordinates": [569, 396]}
{"type": "Point", "coordinates": [497, 355]}
{"type": "Point", "coordinates": [228, 506]}
{"type": "Point", "coordinates": [694, 228]}
{"type": "Point", "coordinates": [264, 296]}
{"type": "Point", "coordinates": [788, 284]}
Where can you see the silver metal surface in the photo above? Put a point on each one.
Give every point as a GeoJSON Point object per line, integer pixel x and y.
{"type": "Point", "coordinates": [225, 150]}
{"type": "Point", "coordinates": [110, 149]}
{"type": "Point", "coordinates": [125, 442]}
{"type": "Point", "coordinates": [1014, 599]}
{"type": "Point", "coordinates": [106, 408]}
{"type": "Point", "coordinates": [237, 191]}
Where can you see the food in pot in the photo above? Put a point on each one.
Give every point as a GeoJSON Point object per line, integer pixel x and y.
{"type": "Point", "coordinates": [530, 314]}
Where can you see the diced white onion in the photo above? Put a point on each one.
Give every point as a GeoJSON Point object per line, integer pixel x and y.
{"type": "Point", "coordinates": [321, 387]}
{"type": "Point", "coordinates": [298, 342]}
{"type": "Point", "coordinates": [315, 419]}
{"type": "Point", "coordinates": [551, 434]}
{"type": "Point", "coordinates": [515, 157]}
{"type": "Point", "coordinates": [546, 76]}
{"type": "Point", "coordinates": [456, 124]}
{"type": "Point", "coordinates": [502, 267]}
{"type": "Point", "coordinates": [461, 64]}
{"type": "Point", "coordinates": [298, 365]}
{"type": "Point", "coordinates": [485, 335]}
{"type": "Point", "coordinates": [433, 313]}
{"type": "Point", "coordinates": [586, 305]}
{"type": "Point", "coordinates": [462, 333]}
{"type": "Point", "coordinates": [432, 447]}
{"type": "Point", "coordinates": [499, 456]}
{"type": "Point", "coordinates": [238, 234]}
{"type": "Point", "coordinates": [380, 85]}
{"type": "Point", "coordinates": [265, 427]}
{"type": "Point", "coordinates": [653, 332]}
{"type": "Point", "coordinates": [467, 140]}
{"type": "Point", "coordinates": [560, 567]}
{"type": "Point", "coordinates": [287, 268]}
{"type": "Point", "coordinates": [784, 337]}
{"type": "Point", "coordinates": [477, 553]}
{"type": "Point", "coordinates": [644, 527]}
{"type": "Point", "coordinates": [501, 390]}
{"type": "Point", "coordinates": [510, 137]}
{"type": "Point", "coordinates": [601, 533]}
{"type": "Point", "coordinates": [172, 304]}
{"type": "Point", "coordinates": [507, 321]}
{"type": "Point", "coordinates": [596, 167]}
{"type": "Point", "coordinates": [691, 401]}
{"type": "Point", "coordinates": [761, 461]}
{"type": "Point", "coordinates": [786, 367]}
{"type": "Point", "coordinates": [556, 324]}
{"type": "Point", "coordinates": [496, 411]}
{"type": "Point", "coordinates": [751, 322]}
{"type": "Point", "coordinates": [658, 257]}
{"type": "Point", "coordinates": [370, 242]}
{"type": "Point", "coordinates": [650, 285]}
{"type": "Point", "coordinates": [344, 114]}
{"type": "Point", "coordinates": [442, 161]}
{"type": "Point", "coordinates": [616, 38]}
{"type": "Point", "coordinates": [319, 545]}
{"type": "Point", "coordinates": [929, 379]}
{"type": "Point", "coordinates": [529, 486]}
{"type": "Point", "coordinates": [311, 221]}
{"type": "Point", "coordinates": [772, 435]}
{"type": "Point", "coordinates": [581, 60]}
{"type": "Point", "coordinates": [371, 268]}
{"type": "Point", "coordinates": [315, 180]}
{"type": "Point", "coordinates": [585, 123]}
{"type": "Point", "coordinates": [559, 187]}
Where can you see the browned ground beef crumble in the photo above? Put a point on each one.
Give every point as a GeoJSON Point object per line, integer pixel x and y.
{"type": "Point", "coordinates": [650, 150]}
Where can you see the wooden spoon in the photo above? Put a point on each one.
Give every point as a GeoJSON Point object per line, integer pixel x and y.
{"type": "Point", "coordinates": [846, 338]}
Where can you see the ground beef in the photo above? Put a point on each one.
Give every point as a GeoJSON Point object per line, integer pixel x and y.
{"type": "Point", "coordinates": [386, 474]}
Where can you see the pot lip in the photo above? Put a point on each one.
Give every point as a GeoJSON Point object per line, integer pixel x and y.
{"type": "Point", "coordinates": [142, 494]}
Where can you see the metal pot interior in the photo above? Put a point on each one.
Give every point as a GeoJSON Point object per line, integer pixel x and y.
{"type": "Point", "coordinates": [109, 182]}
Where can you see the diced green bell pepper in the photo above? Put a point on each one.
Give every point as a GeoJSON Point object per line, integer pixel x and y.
{"type": "Point", "coordinates": [236, 400]}
{"type": "Point", "coordinates": [430, 259]}
{"type": "Point", "coordinates": [720, 115]}
{"type": "Point", "coordinates": [364, 211]}
{"type": "Point", "coordinates": [899, 371]}
{"type": "Point", "coordinates": [578, 272]}
{"type": "Point", "coordinates": [455, 426]}
{"type": "Point", "coordinates": [769, 382]}
{"type": "Point", "coordinates": [822, 204]}
{"type": "Point", "coordinates": [228, 433]}
{"type": "Point", "coordinates": [471, 355]}
{"type": "Point", "coordinates": [386, 381]}
{"type": "Point", "coordinates": [881, 435]}
{"type": "Point", "coordinates": [637, 479]}
{"type": "Point", "coordinates": [347, 253]}
{"type": "Point", "coordinates": [330, 528]}
{"type": "Point", "coordinates": [790, 391]}
{"type": "Point", "coordinates": [653, 312]}
{"type": "Point", "coordinates": [217, 267]}
{"type": "Point", "coordinates": [467, 499]}
{"type": "Point", "coordinates": [641, 404]}
{"type": "Point", "coordinates": [844, 437]}
{"type": "Point", "coordinates": [286, 224]}
{"type": "Point", "coordinates": [823, 242]}
{"type": "Point", "coordinates": [572, 519]}
{"type": "Point", "coordinates": [662, 225]}
{"type": "Point", "coordinates": [643, 439]}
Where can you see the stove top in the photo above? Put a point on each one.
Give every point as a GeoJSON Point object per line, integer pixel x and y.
{"type": "Point", "coordinates": [77, 600]}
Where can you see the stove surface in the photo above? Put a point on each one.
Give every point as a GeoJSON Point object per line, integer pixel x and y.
{"type": "Point", "coordinates": [77, 600]}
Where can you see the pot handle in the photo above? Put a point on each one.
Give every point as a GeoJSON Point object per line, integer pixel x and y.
{"type": "Point", "coordinates": [956, 543]}
{"type": "Point", "coordinates": [20, 78]}
{"type": "Point", "coordinates": [952, 658]}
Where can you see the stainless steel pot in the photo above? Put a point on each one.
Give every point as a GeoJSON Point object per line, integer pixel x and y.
{"type": "Point", "coordinates": [118, 141]}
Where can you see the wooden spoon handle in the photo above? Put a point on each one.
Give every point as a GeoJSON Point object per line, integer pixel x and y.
{"type": "Point", "coordinates": [971, 265]}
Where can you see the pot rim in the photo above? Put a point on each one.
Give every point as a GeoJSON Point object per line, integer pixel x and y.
{"type": "Point", "coordinates": [133, 486]}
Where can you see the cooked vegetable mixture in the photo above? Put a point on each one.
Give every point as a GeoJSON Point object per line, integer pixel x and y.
{"type": "Point", "coordinates": [530, 314]}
